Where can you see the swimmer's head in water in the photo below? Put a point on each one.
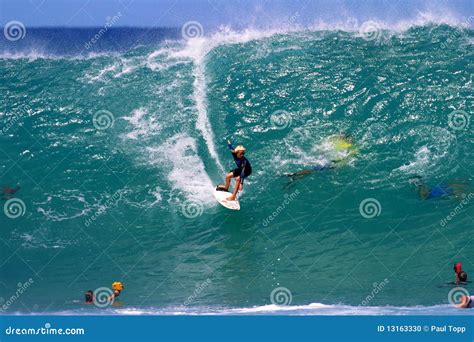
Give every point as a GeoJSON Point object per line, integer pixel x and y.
{"type": "Point", "coordinates": [89, 297]}
{"type": "Point", "coordinates": [117, 286]}
{"type": "Point", "coordinates": [462, 276]}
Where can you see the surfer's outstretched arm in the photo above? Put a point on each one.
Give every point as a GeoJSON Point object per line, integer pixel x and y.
{"type": "Point", "coordinates": [229, 145]}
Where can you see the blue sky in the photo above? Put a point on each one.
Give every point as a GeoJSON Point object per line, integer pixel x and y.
{"type": "Point", "coordinates": [213, 13]}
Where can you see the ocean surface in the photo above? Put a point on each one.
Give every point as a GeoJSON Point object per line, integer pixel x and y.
{"type": "Point", "coordinates": [116, 147]}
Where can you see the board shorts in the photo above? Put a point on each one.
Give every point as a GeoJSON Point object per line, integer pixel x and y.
{"type": "Point", "coordinates": [440, 191]}
{"type": "Point", "coordinates": [238, 171]}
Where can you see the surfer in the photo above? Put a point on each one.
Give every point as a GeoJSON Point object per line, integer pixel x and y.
{"type": "Point", "coordinates": [440, 191]}
{"type": "Point", "coordinates": [243, 170]}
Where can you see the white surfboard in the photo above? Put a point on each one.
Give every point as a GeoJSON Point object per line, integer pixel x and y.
{"type": "Point", "coordinates": [221, 197]}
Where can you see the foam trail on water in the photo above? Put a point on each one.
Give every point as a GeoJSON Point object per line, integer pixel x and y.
{"type": "Point", "coordinates": [202, 123]}
{"type": "Point", "coordinates": [196, 50]}
{"type": "Point", "coordinates": [287, 310]}
{"type": "Point", "coordinates": [180, 152]}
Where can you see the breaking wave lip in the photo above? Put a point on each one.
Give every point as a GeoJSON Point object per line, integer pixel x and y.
{"type": "Point", "coordinates": [33, 55]}
{"type": "Point", "coordinates": [313, 309]}
{"type": "Point", "coordinates": [421, 19]}
{"type": "Point", "coordinates": [225, 34]}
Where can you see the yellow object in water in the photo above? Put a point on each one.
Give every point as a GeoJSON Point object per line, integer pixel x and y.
{"type": "Point", "coordinates": [117, 286]}
{"type": "Point", "coordinates": [341, 143]}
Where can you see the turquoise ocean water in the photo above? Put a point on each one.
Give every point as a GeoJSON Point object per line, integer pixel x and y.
{"type": "Point", "coordinates": [116, 152]}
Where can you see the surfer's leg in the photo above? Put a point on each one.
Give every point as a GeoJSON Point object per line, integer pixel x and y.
{"type": "Point", "coordinates": [228, 178]}
{"type": "Point", "coordinates": [236, 190]}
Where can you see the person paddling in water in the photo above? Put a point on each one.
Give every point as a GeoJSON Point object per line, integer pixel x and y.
{"type": "Point", "coordinates": [243, 170]}
{"type": "Point", "coordinates": [439, 191]}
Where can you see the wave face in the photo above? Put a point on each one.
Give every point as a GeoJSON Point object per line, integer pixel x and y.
{"type": "Point", "coordinates": [116, 152]}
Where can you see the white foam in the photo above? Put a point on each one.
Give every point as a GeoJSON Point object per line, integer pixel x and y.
{"type": "Point", "coordinates": [310, 309]}
{"type": "Point", "coordinates": [127, 66]}
{"type": "Point", "coordinates": [429, 157]}
{"type": "Point", "coordinates": [421, 18]}
{"type": "Point", "coordinates": [154, 62]}
{"type": "Point", "coordinates": [143, 124]}
{"type": "Point", "coordinates": [187, 174]}
{"type": "Point", "coordinates": [102, 72]}
{"type": "Point", "coordinates": [156, 193]}
{"type": "Point", "coordinates": [34, 54]}
{"type": "Point", "coordinates": [202, 121]}
{"type": "Point", "coordinates": [422, 159]}
{"type": "Point", "coordinates": [40, 238]}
